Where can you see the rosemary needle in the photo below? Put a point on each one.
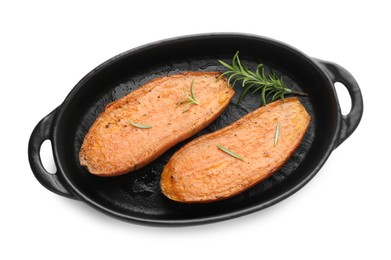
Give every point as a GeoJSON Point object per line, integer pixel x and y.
{"type": "Point", "coordinates": [229, 152]}
{"type": "Point", "coordinates": [139, 126]}
{"type": "Point", "coordinates": [277, 133]}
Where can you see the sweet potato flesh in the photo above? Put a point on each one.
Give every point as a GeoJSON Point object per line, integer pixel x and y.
{"type": "Point", "coordinates": [113, 146]}
{"type": "Point", "coordinates": [201, 172]}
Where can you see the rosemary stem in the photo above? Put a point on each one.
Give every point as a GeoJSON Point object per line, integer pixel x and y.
{"type": "Point", "coordinates": [290, 91]}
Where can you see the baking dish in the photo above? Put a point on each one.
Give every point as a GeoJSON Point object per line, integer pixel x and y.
{"type": "Point", "coordinates": [136, 197]}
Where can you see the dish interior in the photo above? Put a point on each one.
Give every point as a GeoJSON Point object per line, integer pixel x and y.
{"type": "Point", "coordinates": [137, 195]}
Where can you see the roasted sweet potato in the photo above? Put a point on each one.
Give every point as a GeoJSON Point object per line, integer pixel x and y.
{"type": "Point", "coordinates": [134, 130]}
{"type": "Point", "coordinates": [255, 147]}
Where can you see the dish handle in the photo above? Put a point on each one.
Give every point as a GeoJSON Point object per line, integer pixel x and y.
{"type": "Point", "coordinates": [41, 133]}
{"type": "Point", "coordinates": [350, 121]}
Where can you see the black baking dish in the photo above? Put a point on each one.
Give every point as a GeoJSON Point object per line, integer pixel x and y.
{"type": "Point", "coordinates": [136, 196]}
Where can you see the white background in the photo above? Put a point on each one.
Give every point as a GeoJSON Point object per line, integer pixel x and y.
{"type": "Point", "coordinates": [47, 47]}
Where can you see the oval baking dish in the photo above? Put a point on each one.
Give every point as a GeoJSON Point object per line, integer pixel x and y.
{"type": "Point", "coordinates": [137, 196]}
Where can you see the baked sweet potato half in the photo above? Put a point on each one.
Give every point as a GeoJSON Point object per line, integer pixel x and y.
{"type": "Point", "coordinates": [226, 162]}
{"type": "Point", "coordinates": [135, 129]}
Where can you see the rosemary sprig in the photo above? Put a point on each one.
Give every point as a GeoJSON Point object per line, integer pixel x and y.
{"type": "Point", "coordinates": [139, 126]}
{"type": "Point", "coordinates": [269, 85]}
{"type": "Point", "coordinates": [229, 152]}
{"type": "Point", "coordinates": [190, 98]}
{"type": "Point", "coordinates": [277, 133]}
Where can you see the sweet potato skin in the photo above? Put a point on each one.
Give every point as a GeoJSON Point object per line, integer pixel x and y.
{"type": "Point", "coordinates": [113, 146]}
{"type": "Point", "coordinates": [200, 172]}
